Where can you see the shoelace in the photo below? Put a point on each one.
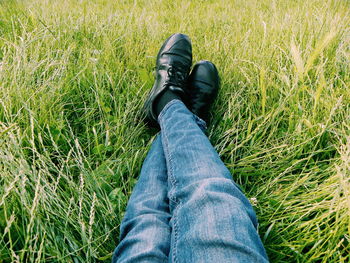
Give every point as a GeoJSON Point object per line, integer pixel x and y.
{"type": "Point", "coordinates": [176, 76]}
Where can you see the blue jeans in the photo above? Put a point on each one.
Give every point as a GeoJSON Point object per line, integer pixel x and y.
{"type": "Point", "coordinates": [185, 206]}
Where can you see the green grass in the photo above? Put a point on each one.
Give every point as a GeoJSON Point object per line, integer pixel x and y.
{"type": "Point", "coordinates": [74, 74]}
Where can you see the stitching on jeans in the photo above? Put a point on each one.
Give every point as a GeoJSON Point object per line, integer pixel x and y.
{"type": "Point", "coordinates": [176, 231]}
{"type": "Point", "coordinates": [172, 181]}
{"type": "Point", "coordinates": [172, 198]}
{"type": "Point", "coordinates": [170, 158]}
{"type": "Point", "coordinates": [170, 169]}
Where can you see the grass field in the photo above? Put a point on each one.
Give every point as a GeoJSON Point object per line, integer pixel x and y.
{"type": "Point", "coordinates": [74, 74]}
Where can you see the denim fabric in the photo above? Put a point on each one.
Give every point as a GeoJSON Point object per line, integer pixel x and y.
{"type": "Point", "coordinates": [209, 219]}
{"type": "Point", "coordinates": [145, 230]}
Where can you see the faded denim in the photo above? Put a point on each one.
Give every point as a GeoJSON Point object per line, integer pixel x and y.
{"type": "Point", "coordinates": [185, 206]}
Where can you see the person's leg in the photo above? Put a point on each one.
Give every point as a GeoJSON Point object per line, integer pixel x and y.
{"type": "Point", "coordinates": [145, 230]}
{"type": "Point", "coordinates": [212, 221]}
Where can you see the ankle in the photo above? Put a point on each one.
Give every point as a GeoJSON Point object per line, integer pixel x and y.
{"type": "Point", "coordinates": [164, 99]}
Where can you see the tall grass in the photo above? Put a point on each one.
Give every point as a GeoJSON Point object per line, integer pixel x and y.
{"type": "Point", "coordinates": [73, 77]}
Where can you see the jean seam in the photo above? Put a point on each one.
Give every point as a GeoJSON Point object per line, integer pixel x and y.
{"type": "Point", "coordinates": [172, 179]}
{"type": "Point", "coordinates": [170, 168]}
{"type": "Point", "coordinates": [176, 234]}
{"type": "Point", "coordinates": [172, 198]}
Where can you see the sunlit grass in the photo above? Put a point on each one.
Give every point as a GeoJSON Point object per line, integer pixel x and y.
{"type": "Point", "coordinates": [74, 75]}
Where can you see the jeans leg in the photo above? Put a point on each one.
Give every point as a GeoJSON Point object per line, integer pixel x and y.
{"type": "Point", "coordinates": [145, 230]}
{"type": "Point", "coordinates": [212, 220]}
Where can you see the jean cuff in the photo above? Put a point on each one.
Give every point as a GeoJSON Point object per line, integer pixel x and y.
{"type": "Point", "coordinates": [200, 122]}
{"type": "Point", "coordinates": [166, 107]}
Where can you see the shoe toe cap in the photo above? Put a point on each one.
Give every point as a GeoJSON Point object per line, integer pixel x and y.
{"type": "Point", "coordinates": [204, 71]}
{"type": "Point", "coordinates": [177, 47]}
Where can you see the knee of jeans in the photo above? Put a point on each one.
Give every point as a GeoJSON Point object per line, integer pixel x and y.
{"type": "Point", "coordinates": [202, 171]}
{"type": "Point", "coordinates": [218, 186]}
{"type": "Point", "coordinates": [220, 193]}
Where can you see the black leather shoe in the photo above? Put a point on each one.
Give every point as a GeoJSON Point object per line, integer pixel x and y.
{"type": "Point", "coordinates": [174, 61]}
{"type": "Point", "coordinates": [203, 88]}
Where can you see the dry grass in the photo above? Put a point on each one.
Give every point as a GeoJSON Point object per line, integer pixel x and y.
{"type": "Point", "coordinates": [73, 75]}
